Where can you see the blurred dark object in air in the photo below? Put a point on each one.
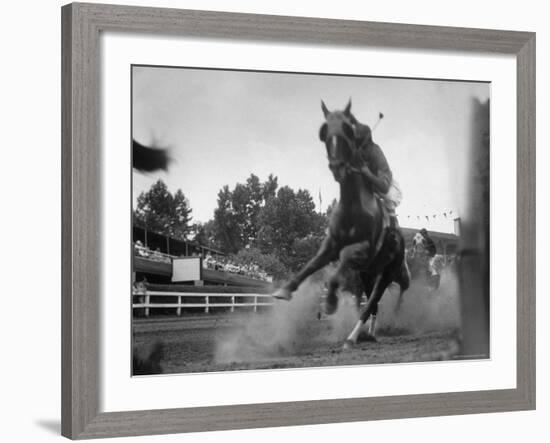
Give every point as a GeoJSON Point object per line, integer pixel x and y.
{"type": "Point", "coordinates": [146, 159]}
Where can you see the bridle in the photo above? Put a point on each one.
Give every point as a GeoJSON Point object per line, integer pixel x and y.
{"type": "Point", "coordinates": [339, 127]}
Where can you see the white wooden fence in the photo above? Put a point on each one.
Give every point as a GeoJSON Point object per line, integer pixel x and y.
{"type": "Point", "coordinates": [204, 300]}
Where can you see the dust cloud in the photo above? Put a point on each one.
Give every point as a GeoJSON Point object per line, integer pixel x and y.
{"type": "Point", "coordinates": [298, 327]}
{"type": "Point", "coordinates": [282, 330]}
{"type": "Point", "coordinates": [422, 310]}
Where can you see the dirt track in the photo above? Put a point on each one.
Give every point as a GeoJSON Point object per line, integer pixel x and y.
{"type": "Point", "coordinates": [224, 342]}
{"type": "Point", "coordinates": [290, 334]}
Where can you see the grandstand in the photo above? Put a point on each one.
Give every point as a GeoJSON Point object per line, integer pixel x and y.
{"type": "Point", "coordinates": [162, 259]}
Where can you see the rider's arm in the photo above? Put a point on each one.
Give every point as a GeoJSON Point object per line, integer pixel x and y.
{"type": "Point", "coordinates": [383, 178]}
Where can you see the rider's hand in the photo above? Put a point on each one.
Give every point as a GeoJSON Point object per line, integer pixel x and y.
{"type": "Point", "coordinates": [365, 170]}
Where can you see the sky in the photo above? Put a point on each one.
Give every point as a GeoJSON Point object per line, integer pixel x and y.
{"type": "Point", "coordinates": [220, 126]}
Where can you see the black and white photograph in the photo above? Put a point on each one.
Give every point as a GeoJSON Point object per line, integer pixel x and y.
{"type": "Point", "coordinates": [275, 221]}
{"type": "Point", "coordinates": [301, 220]}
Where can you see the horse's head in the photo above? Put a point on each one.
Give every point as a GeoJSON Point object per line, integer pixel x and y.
{"type": "Point", "coordinates": [338, 135]}
{"type": "Point", "coordinates": [418, 244]}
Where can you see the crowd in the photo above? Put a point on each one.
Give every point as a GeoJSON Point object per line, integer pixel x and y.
{"type": "Point", "coordinates": [233, 266]}
{"type": "Point", "coordinates": [142, 251]}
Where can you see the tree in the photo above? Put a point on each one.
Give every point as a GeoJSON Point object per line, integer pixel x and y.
{"type": "Point", "coordinates": [278, 224]}
{"type": "Point", "coordinates": [236, 218]}
{"type": "Point", "coordinates": [286, 217]}
{"type": "Point", "coordinates": [269, 188]}
{"type": "Point", "coordinates": [181, 216]}
{"type": "Point", "coordinates": [160, 211]}
{"type": "Point", "coordinates": [303, 250]}
{"type": "Point", "coordinates": [255, 192]}
{"type": "Point", "coordinates": [205, 234]}
{"type": "Point", "coordinates": [226, 229]}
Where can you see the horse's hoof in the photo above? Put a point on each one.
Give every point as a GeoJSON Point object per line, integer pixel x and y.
{"type": "Point", "coordinates": [282, 294]}
{"type": "Point", "coordinates": [331, 305]}
{"type": "Point", "coordinates": [348, 345]}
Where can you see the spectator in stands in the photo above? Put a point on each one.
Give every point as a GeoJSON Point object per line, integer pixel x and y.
{"type": "Point", "coordinates": [141, 250]}
{"type": "Point", "coordinates": [234, 266]}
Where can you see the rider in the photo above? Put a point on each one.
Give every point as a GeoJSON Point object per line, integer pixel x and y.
{"type": "Point", "coordinates": [431, 251]}
{"type": "Point", "coordinates": [376, 169]}
{"type": "Point", "coordinates": [429, 244]}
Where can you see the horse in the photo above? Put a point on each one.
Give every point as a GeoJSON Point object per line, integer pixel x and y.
{"type": "Point", "coordinates": [421, 265]}
{"type": "Point", "coordinates": [417, 257]}
{"type": "Point", "coordinates": [358, 235]}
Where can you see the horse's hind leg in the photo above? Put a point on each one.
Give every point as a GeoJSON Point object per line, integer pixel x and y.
{"type": "Point", "coordinates": [354, 334]}
{"type": "Point", "coordinates": [369, 282]}
{"type": "Point", "coordinates": [381, 283]}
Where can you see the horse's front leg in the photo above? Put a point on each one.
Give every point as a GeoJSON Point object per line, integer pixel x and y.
{"type": "Point", "coordinates": [404, 281]}
{"type": "Point", "coordinates": [327, 252]}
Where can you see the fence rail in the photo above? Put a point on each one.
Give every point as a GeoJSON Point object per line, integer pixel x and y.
{"type": "Point", "coordinates": [209, 301]}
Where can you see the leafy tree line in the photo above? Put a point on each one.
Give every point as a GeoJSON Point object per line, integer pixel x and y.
{"type": "Point", "coordinates": [162, 212]}
{"type": "Point", "coordinates": [259, 222]}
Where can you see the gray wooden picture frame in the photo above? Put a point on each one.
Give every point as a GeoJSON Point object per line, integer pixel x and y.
{"type": "Point", "coordinates": [81, 206]}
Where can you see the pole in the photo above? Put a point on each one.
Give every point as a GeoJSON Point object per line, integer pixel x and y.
{"type": "Point", "coordinates": [380, 117]}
